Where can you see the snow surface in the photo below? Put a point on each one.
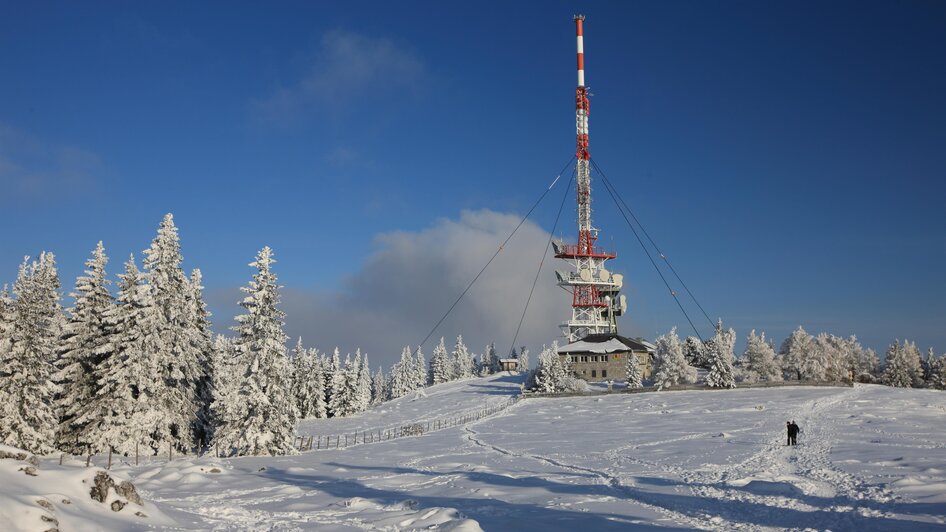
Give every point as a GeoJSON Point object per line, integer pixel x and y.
{"type": "Point", "coordinates": [869, 457]}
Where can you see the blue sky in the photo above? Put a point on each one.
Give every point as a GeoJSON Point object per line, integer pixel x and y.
{"type": "Point", "coordinates": [789, 157]}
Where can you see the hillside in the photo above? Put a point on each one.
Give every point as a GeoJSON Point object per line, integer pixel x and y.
{"type": "Point", "coordinates": [870, 457]}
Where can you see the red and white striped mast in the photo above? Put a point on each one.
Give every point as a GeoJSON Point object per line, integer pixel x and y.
{"type": "Point", "coordinates": [595, 301]}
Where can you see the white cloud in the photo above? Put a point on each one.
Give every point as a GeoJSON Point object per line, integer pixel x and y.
{"type": "Point", "coordinates": [346, 66]}
{"type": "Point", "coordinates": [406, 285]}
{"type": "Point", "coordinates": [31, 168]}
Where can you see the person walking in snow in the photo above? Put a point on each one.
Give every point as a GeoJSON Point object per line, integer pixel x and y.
{"type": "Point", "coordinates": [792, 432]}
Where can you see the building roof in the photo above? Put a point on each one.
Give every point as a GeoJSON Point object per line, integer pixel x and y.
{"type": "Point", "coordinates": [603, 343]}
{"type": "Point", "coordinates": [509, 360]}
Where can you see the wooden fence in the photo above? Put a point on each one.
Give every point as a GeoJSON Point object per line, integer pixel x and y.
{"type": "Point", "coordinates": [318, 442]}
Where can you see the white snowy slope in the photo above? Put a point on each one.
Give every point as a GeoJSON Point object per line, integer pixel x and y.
{"type": "Point", "coordinates": [38, 495]}
{"type": "Point", "coordinates": [870, 458]}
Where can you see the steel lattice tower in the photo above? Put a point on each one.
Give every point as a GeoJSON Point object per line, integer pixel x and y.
{"type": "Point", "coordinates": [595, 300]}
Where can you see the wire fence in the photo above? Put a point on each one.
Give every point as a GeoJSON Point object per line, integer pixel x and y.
{"type": "Point", "coordinates": [318, 442]}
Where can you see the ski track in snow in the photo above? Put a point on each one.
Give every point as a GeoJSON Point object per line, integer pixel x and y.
{"type": "Point", "coordinates": [523, 468]}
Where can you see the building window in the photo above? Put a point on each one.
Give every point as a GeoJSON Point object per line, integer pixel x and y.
{"type": "Point", "coordinates": [594, 374]}
{"type": "Point", "coordinates": [604, 373]}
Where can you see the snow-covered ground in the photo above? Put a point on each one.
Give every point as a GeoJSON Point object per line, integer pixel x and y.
{"type": "Point", "coordinates": [869, 457]}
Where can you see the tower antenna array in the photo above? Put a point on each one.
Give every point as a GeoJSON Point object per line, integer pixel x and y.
{"type": "Point", "coordinates": [595, 299]}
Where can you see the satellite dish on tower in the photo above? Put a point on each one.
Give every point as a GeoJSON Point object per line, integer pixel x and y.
{"type": "Point", "coordinates": [585, 275]}
{"type": "Point", "coordinates": [618, 280]}
{"type": "Point", "coordinates": [604, 274]}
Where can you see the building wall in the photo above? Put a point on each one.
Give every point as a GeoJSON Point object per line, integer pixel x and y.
{"type": "Point", "coordinates": [611, 367]}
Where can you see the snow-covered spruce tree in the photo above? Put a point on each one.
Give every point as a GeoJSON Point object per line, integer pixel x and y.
{"type": "Point", "coordinates": [84, 341]}
{"type": "Point", "coordinates": [378, 388]}
{"type": "Point", "coordinates": [694, 352]}
{"type": "Point", "coordinates": [439, 365]}
{"type": "Point", "coordinates": [794, 350]}
{"type": "Point", "coordinates": [937, 377]}
{"type": "Point", "coordinates": [720, 351]}
{"type": "Point", "coordinates": [318, 407]}
{"type": "Point", "coordinates": [299, 373]}
{"type": "Point", "coordinates": [119, 415]}
{"type": "Point", "coordinates": [269, 421]}
{"type": "Point", "coordinates": [364, 384]}
{"type": "Point", "coordinates": [489, 362]}
{"type": "Point", "coordinates": [903, 369]}
{"type": "Point", "coordinates": [177, 364]}
{"type": "Point", "coordinates": [524, 361]}
{"type": "Point", "coordinates": [632, 368]}
{"type": "Point", "coordinates": [308, 382]}
{"type": "Point", "coordinates": [420, 369]}
{"type": "Point", "coordinates": [761, 364]}
{"type": "Point", "coordinates": [336, 386]}
{"type": "Point", "coordinates": [200, 341]}
{"type": "Point", "coordinates": [463, 362]}
{"type": "Point", "coordinates": [402, 375]}
{"type": "Point", "coordinates": [6, 321]}
{"type": "Point", "coordinates": [549, 375]}
{"type": "Point", "coordinates": [671, 366]}
{"type": "Point", "coordinates": [228, 406]}
{"type": "Point", "coordinates": [27, 390]}
{"type": "Point", "coordinates": [872, 362]}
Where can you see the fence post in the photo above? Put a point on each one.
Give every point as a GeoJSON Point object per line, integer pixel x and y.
{"type": "Point", "coordinates": [88, 460]}
{"type": "Point", "coordinates": [170, 452]}
{"type": "Point", "coordinates": [61, 456]}
{"type": "Point", "coordinates": [136, 454]}
{"type": "Point", "coordinates": [109, 457]}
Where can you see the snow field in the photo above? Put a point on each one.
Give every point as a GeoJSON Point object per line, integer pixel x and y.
{"type": "Point", "coordinates": [869, 457]}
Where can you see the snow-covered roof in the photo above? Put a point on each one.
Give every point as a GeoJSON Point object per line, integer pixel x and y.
{"type": "Point", "coordinates": [509, 360]}
{"type": "Point", "coordinates": [602, 344]}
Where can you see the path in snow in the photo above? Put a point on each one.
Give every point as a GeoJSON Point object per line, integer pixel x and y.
{"type": "Point", "coordinates": [870, 457]}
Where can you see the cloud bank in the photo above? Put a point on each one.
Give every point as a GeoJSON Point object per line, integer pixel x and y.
{"type": "Point", "coordinates": [397, 295]}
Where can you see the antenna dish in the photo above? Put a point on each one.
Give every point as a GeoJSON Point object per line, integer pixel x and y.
{"type": "Point", "coordinates": [585, 275]}
{"type": "Point", "coordinates": [604, 275]}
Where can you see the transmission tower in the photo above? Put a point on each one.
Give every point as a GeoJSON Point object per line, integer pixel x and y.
{"type": "Point", "coordinates": [595, 299]}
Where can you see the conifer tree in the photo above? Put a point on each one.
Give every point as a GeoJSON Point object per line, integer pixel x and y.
{"type": "Point", "coordinates": [761, 363]}
{"type": "Point", "coordinates": [6, 321]}
{"type": "Point", "coordinates": [402, 375]}
{"type": "Point", "coordinates": [318, 407]}
{"type": "Point", "coordinates": [420, 370]}
{"type": "Point", "coordinates": [671, 365]}
{"type": "Point", "coordinates": [177, 365]}
{"type": "Point", "coordinates": [378, 388]}
{"type": "Point", "coordinates": [27, 390]}
{"type": "Point", "coordinates": [84, 344]}
{"type": "Point", "coordinates": [200, 341]}
{"type": "Point", "coordinates": [937, 377]}
{"type": "Point", "coordinates": [720, 352]}
{"type": "Point", "coordinates": [895, 371]}
{"type": "Point", "coordinates": [439, 365]}
{"type": "Point", "coordinates": [364, 384]}
{"type": "Point", "coordinates": [463, 362]}
{"type": "Point", "coordinates": [524, 359]}
{"type": "Point", "coordinates": [334, 382]}
{"type": "Point", "coordinates": [120, 414]}
{"type": "Point", "coordinates": [549, 375]}
{"type": "Point", "coordinates": [228, 406]}
{"type": "Point", "coordinates": [632, 369]}
{"type": "Point", "coordinates": [269, 420]}
{"type": "Point", "coordinates": [693, 351]}
{"type": "Point", "coordinates": [794, 350]}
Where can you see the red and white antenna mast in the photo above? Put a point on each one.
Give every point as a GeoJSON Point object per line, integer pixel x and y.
{"type": "Point", "coordinates": [595, 301]}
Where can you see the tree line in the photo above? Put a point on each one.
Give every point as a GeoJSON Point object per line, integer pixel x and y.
{"type": "Point", "coordinates": [141, 370]}
{"type": "Point", "coordinates": [800, 357]}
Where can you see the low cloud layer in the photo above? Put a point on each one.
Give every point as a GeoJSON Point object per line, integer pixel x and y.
{"type": "Point", "coordinates": [412, 278]}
